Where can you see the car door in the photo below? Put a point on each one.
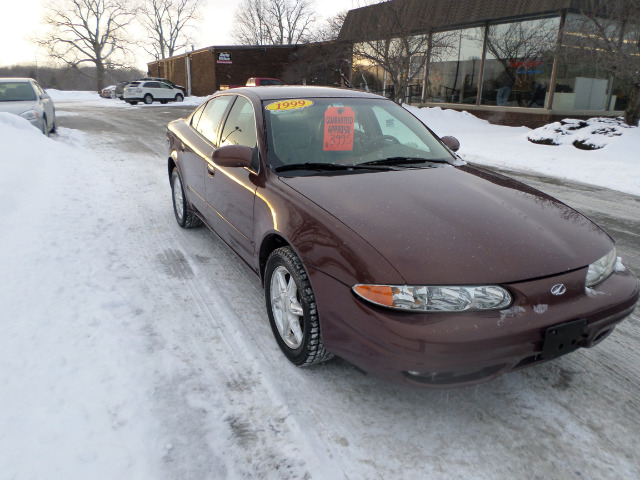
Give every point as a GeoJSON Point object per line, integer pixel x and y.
{"type": "Point", "coordinates": [196, 150]}
{"type": "Point", "coordinates": [166, 92]}
{"type": "Point", "coordinates": [154, 89]}
{"type": "Point", "coordinates": [47, 104]}
{"type": "Point", "coordinates": [230, 191]}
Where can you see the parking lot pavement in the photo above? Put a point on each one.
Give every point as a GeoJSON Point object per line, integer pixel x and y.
{"type": "Point", "coordinates": [574, 417]}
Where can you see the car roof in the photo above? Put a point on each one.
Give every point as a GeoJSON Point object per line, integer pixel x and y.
{"type": "Point", "coordinates": [17, 79]}
{"type": "Point", "coordinates": [278, 92]}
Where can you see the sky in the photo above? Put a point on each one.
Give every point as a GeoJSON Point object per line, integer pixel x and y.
{"type": "Point", "coordinates": [22, 20]}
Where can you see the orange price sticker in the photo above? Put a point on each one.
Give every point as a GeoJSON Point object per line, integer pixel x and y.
{"type": "Point", "coordinates": [338, 129]}
{"type": "Point", "coordinates": [289, 105]}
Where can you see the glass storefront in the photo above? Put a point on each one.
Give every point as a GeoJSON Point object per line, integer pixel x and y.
{"type": "Point", "coordinates": [517, 69]}
{"type": "Point", "coordinates": [455, 66]}
{"type": "Point", "coordinates": [583, 83]}
{"type": "Point", "coordinates": [519, 63]}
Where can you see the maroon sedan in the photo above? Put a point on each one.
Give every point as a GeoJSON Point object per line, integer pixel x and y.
{"type": "Point", "coordinates": [376, 243]}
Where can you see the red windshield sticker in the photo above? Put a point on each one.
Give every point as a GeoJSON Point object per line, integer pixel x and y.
{"type": "Point", "coordinates": [338, 129]}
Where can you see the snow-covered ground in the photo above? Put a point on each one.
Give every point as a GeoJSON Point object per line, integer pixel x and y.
{"type": "Point", "coordinates": [616, 166]}
{"type": "Point", "coordinates": [93, 98]}
{"type": "Point", "coordinates": [130, 349]}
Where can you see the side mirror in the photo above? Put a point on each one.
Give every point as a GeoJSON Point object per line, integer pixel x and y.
{"type": "Point", "coordinates": [233, 156]}
{"type": "Point", "coordinates": [452, 142]}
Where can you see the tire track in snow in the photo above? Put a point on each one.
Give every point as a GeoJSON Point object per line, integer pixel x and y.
{"type": "Point", "coordinates": [258, 425]}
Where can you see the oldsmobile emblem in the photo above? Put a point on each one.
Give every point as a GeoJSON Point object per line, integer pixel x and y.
{"type": "Point", "coordinates": [558, 289]}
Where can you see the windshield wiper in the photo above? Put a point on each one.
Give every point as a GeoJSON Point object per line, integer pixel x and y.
{"type": "Point", "coordinates": [403, 161]}
{"type": "Point", "coordinates": [323, 167]}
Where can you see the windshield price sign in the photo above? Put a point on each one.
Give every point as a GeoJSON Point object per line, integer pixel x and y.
{"type": "Point", "coordinates": [289, 105]}
{"type": "Point", "coordinates": [338, 129]}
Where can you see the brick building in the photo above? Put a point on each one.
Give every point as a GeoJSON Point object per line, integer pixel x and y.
{"type": "Point", "coordinates": [209, 69]}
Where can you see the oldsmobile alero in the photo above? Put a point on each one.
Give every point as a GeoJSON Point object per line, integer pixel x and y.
{"type": "Point", "coordinates": [375, 242]}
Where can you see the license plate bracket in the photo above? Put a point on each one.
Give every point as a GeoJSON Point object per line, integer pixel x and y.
{"type": "Point", "coordinates": [563, 338]}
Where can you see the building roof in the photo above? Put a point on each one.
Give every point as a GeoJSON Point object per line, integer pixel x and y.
{"type": "Point", "coordinates": [422, 16]}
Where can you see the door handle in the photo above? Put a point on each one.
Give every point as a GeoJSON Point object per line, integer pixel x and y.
{"type": "Point", "coordinates": [211, 171]}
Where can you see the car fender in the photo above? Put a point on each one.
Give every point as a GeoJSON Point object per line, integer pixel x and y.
{"type": "Point", "coordinates": [318, 238]}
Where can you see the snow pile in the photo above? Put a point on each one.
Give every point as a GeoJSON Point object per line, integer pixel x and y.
{"type": "Point", "coordinates": [93, 99]}
{"type": "Point", "coordinates": [72, 403]}
{"type": "Point", "coordinates": [616, 167]}
{"type": "Point", "coordinates": [73, 96]}
{"type": "Point", "coordinates": [591, 134]}
{"type": "Point", "coordinates": [22, 143]}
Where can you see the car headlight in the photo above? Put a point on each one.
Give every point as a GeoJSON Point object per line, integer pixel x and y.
{"type": "Point", "coordinates": [30, 114]}
{"type": "Point", "coordinates": [431, 298]}
{"type": "Point", "coordinates": [602, 268]}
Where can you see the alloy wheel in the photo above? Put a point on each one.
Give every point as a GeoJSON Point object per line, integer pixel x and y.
{"type": "Point", "coordinates": [286, 308]}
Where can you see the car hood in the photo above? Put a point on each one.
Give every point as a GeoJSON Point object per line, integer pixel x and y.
{"type": "Point", "coordinates": [18, 107]}
{"type": "Point", "coordinates": [458, 225]}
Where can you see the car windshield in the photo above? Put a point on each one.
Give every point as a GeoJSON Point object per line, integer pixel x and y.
{"type": "Point", "coordinates": [347, 131]}
{"type": "Point", "coordinates": [16, 92]}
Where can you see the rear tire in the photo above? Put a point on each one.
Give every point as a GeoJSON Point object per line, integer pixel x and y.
{"type": "Point", "coordinates": [292, 309]}
{"type": "Point", "coordinates": [148, 99]}
{"type": "Point", "coordinates": [184, 217]}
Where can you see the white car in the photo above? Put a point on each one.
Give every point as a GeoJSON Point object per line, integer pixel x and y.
{"type": "Point", "coordinates": [108, 92]}
{"type": "Point", "coordinates": [26, 98]}
{"type": "Point", "coordinates": [150, 91]}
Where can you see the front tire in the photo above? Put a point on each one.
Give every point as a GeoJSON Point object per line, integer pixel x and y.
{"type": "Point", "coordinates": [184, 217]}
{"type": "Point", "coordinates": [292, 310]}
{"type": "Point", "coordinates": [179, 97]}
{"type": "Point", "coordinates": [148, 99]}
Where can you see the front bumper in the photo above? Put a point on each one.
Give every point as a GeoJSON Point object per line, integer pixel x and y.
{"type": "Point", "coordinates": [452, 349]}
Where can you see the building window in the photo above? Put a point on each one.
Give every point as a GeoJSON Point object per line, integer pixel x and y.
{"type": "Point", "coordinates": [583, 80]}
{"type": "Point", "coordinates": [519, 62]}
{"type": "Point", "coordinates": [455, 66]}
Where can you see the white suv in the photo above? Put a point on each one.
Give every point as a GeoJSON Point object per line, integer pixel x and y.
{"type": "Point", "coordinates": [150, 91]}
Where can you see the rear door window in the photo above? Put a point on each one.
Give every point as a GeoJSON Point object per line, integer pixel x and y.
{"type": "Point", "coordinates": [197, 114]}
{"type": "Point", "coordinates": [209, 122]}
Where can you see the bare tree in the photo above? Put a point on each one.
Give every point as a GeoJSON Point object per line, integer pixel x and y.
{"type": "Point", "coordinates": [87, 31]}
{"type": "Point", "coordinates": [329, 29]}
{"type": "Point", "coordinates": [166, 23]}
{"type": "Point", "coordinates": [273, 22]}
{"type": "Point", "coordinates": [607, 35]}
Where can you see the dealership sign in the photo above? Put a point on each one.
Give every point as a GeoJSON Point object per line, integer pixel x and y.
{"type": "Point", "coordinates": [224, 57]}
